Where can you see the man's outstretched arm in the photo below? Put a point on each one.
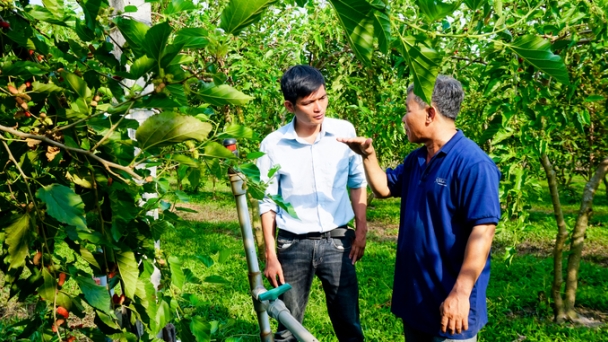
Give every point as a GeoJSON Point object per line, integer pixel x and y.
{"type": "Point", "coordinates": [376, 178]}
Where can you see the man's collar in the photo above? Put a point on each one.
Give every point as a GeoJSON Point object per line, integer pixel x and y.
{"type": "Point", "coordinates": [452, 142]}
{"type": "Point", "coordinates": [291, 130]}
{"type": "Point", "coordinates": [444, 150]}
{"type": "Point", "coordinates": [327, 127]}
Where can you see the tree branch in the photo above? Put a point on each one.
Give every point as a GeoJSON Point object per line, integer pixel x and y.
{"type": "Point", "coordinates": [469, 60]}
{"type": "Point", "coordinates": [107, 164]}
{"type": "Point", "coordinates": [25, 178]}
{"type": "Point", "coordinates": [105, 137]}
{"type": "Point", "coordinates": [61, 128]}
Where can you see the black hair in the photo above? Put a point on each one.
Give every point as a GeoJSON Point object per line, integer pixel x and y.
{"type": "Point", "coordinates": [300, 81]}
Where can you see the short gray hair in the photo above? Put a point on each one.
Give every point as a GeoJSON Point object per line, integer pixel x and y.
{"type": "Point", "coordinates": [447, 96]}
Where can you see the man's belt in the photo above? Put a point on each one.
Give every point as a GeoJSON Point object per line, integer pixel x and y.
{"type": "Point", "coordinates": [339, 232]}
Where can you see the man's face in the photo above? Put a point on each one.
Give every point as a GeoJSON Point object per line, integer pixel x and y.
{"type": "Point", "coordinates": [414, 120]}
{"type": "Point", "coordinates": [310, 110]}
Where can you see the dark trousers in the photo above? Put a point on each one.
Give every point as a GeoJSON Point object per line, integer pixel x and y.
{"type": "Point", "coordinates": [414, 335]}
{"type": "Point", "coordinates": [327, 258]}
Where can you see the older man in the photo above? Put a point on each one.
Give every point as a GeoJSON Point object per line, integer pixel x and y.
{"type": "Point", "coordinates": [449, 211]}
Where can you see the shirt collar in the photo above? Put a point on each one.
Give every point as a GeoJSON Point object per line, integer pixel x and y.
{"type": "Point", "coordinates": [291, 130]}
{"type": "Point", "coordinates": [327, 128]}
{"type": "Point", "coordinates": [444, 150]}
{"type": "Point", "coordinates": [452, 142]}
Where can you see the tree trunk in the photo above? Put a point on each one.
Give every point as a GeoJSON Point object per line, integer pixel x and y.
{"type": "Point", "coordinates": [606, 185]}
{"type": "Point", "coordinates": [578, 238]}
{"type": "Point", "coordinates": [562, 235]}
{"type": "Point", "coordinates": [256, 224]}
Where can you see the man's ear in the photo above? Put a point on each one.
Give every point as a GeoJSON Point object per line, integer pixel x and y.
{"type": "Point", "coordinates": [290, 106]}
{"type": "Point", "coordinates": [431, 114]}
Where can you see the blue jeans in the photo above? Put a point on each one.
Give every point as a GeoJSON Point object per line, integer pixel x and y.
{"type": "Point", "coordinates": [327, 258]}
{"type": "Point", "coordinates": [415, 335]}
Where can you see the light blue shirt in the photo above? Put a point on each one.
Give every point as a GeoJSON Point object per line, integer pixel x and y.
{"type": "Point", "coordinates": [313, 178]}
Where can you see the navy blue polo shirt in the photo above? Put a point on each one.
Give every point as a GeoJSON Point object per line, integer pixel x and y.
{"type": "Point", "coordinates": [440, 204]}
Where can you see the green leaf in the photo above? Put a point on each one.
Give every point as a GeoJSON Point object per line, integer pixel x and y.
{"type": "Point", "coordinates": [216, 150]}
{"type": "Point", "coordinates": [159, 100]}
{"type": "Point", "coordinates": [130, 9]}
{"type": "Point", "coordinates": [156, 40]}
{"type": "Point", "coordinates": [382, 30]}
{"type": "Point", "coordinates": [17, 238]}
{"type": "Point", "coordinates": [158, 227]}
{"type": "Point", "coordinates": [107, 319]}
{"type": "Point", "coordinates": [168, 127]}
{"type": "Point", "coordinates": [184, 160]}
{"type": "Point", "coordinates": [192, 38]}
{"type": "Point", "coordinates": [43, 14]}
{"type": "Point", "coordinates": [177, 6]}
{"type": "Point", "coordinates": [537, 51]}
{"type": "Point", "coordinates": [186, 333]}
{"type": "Point", "coordinates": [63, 299]}
{"type": "Point", "coordinates": [251, 171]}
{"type": "Point", "coordinates": [134, 33]}
{"type": "Point", "coordinates": [25, 69]}
{"type": "Point", "coordinates": [207, 261]}
{"type": "Point", "coordinates": [222, 95]}
{"type": "Point", "coordinates": [83, 31]}
{"type": "Point", "coordinates": [63, 204]}
{"type": "Point", "coordinates": [236, 131]}
{"type": "Point", "coordinates": [242, 13]}
{"type": "Point", "coordinates": [424, 66]}
{"type": "Point", "coordinates": [594, 98]}
{"type": "Point", "coordinates": [90, 258]}
{"type": "Point", "coordinates": [497, 5]}
{"type": "Point", "coordinates": [163, 315]}
{"type": "Point", "coordinates": [140, 67]}
{"type": "Point", "coordinates": [224, 255]}
{"type": "Point", "coordinates": [55, 6]}
{"type": "Point", "coordinates": [359, 21]}
{"type": "Point", "coordinates": [435, 9]}
{"type": "Point", "coordinates": [284, 205]}
{"type": "Point", "coordinates": [124, 337]}
{"type": "Point", "coordinates": [48, 288]}
{"type": "Point", "coordinates": [91, 10]}
{"type": "Point", "coordinates": [215, 279]}
{"type": "Point", "coordinates": [177, 275]}
{"type": "Point", "coordinates": [200, 329]}
{"type": "Point", "coordinates": [475, 4]}
{"type": "Point", "coordinates": [178, 94]}
{"type": "Point", "coordinates": [273, 171]}
{"type": "Point", "coordinates": [188, 210]}
{"type": "Point", "coordinates": [127, 266]}
{"type": "Point", "coordinates": [76, 83]}
{"type": "Point", "coordinates": [96, 295]}
{"type": "Point", "coordinates": [220, 78]}
{"type": "Point", "coordinates": [255, 155]}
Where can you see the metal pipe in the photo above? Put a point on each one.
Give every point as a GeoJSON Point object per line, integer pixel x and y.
{"type": "Point", "coordinates": [255, 277]}
{"type": "Point", "coordinates": [279, 311]}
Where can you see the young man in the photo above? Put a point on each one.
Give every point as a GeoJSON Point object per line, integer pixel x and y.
{"type": "Point", "coordinates": [315, 175]}
{"type": "Point", "coordinates": [449, 210]}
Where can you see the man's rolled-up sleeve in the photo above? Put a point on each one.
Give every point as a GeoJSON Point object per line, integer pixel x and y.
{"type": "Point", "coordinates": [480, 199]}
{"type": "Point", "coordinates": [394, 180]}
{"type": "Point", "coordinates": [356, 176]}
{"type": "Point", "coordinates": [264, 164]}
{"type": "Point", "coordinates": [356, 172]}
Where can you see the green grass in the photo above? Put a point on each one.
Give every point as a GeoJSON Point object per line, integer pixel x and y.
{"type": "Point", "coordinates": [517, 296]}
